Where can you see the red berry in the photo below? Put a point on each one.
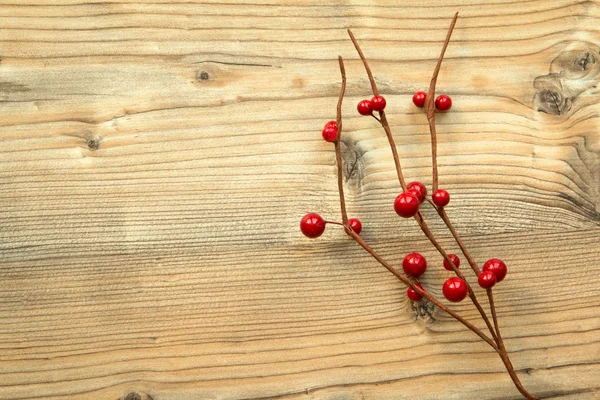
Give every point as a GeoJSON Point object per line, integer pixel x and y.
{"type": "Point", "coordinates": [330, 133]}
{"type": "Point", "coordinates": [414, 264]}
{"type": "Point", "coordinates": [455, 289]}
{"type": "Point", "coordinates": [312, 225]}
{"type": "Point", "coordinates": [419, 99]}
{"type": "Point", "coordinates": [378, 103]}
{"type": "Point", "coordinates": [418, 189]}
{"type": "Point", "coordinates": [355, 225]}
{"type": "Point", "coordinates": [455, 261]}
{"type": "Point", "coordinates": [497, 266]}
{"type": "Point", "coordinates": [412, 294]}
{"type": "Point", "coordinates": [487, 279]}
{"type": "Point", "coordinates": [331, 123]}
{"type": "Point", "coordinates": [406, 204]}
{"type": "Point", "coordinates": [441, 198]}
{"type": "Point", "coordinates": [443, 102]}
{"type": "Point", "coordinates": [365, 107]}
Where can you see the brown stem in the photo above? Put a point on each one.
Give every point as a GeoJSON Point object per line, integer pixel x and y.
{"type": "Point", "coordinates": [457, 238]}
{"type": "Point", "coordinates": [382, 119]}
{"type": "Point", "coordinates": [429, 104]}
{"type": "Point", "coordinates": [338, 152]}
{"type": "Point", "coordinates": [425, 228]}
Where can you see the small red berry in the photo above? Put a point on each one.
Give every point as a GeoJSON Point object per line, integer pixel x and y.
{"type": "Point", "coordinates": [378, 103]}
{"type": "Point", "coordinates": [365, 107]}
{"type": "Point", "coordinates": [406, 204]}
{"type": "Point", "coordinates": [497, 266]}
{"type": "Point", "coordinates": [455, 289]}
{"type": "Point", "coordinates": [441, 198]}
{"type": "Point", "coordinates": [418, 189]}
{"type": "Point", "coordinates": [419, 99]}
{"type": "Point", "coordinates": [355, 225]}
{"type": "Point", "coordinates": [330, 133]}
{"type": "Point", "coordinates": [414, 264]}
{"type": "Point", "coordinates": [443, 102]}
{"type": "Point", "coordinates": [487, 279]}
{"type": "Point", "coordinates": [412, 294]}
{"type": "Point", "coordinates": [455, 261]}
{"type": "Point", "coordinates": [312, 225]}
{"type": "Point", "coordinates": [331, 123]}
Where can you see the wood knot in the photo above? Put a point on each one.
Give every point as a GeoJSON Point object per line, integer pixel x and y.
{"type": "Point", "coordinates": [423, 310]}
{"type": "Point", "coordinates": [552, 101]}
{"type": "Point", "coordinates": [136, 396]}
{"type": "Point", "coordinates": [572, 72]}
{"type": "Point", "coordinates": [202, 76]}
{"type": "Point", "coordinates": [93, 144]}
{"type": "Point", "coordinates": [354, 167]}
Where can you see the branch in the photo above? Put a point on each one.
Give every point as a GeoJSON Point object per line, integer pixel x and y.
{"type": "Point", "coordinates": [429, 104]}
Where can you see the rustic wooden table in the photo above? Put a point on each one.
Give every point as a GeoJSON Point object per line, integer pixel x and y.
{"type": "Point", "coordinates": [156, 158]}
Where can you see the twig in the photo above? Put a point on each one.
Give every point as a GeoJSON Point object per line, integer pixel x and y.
{"type": "Point", "coordinates": [338, 151]}
{"type": "Point", "coordinates": [429, 104]}
{"type": "Point", "coordinates": [382, 119]}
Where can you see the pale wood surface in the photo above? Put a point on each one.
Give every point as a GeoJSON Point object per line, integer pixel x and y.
{"type": "Point", "coordinates": [156, 157]}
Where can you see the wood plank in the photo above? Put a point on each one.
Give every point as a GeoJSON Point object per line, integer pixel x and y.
{"type": "Point", "coordinates": [156, 157]}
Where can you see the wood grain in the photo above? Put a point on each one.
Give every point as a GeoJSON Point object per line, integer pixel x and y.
{"type": "Point", "coordinates": [156, 157]}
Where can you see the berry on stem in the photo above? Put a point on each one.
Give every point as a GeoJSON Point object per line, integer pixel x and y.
{"type": "Point", "coordinates": [365, 107]}
{"type": "Point", "coordinates": [455, 289]}
{"type": "Point", "coordinates": [487, 279]}
{"type": "Point", "coordinates": [414, 264]}
{"type": "Point", "coordinates": [418, 189]}
{"type": "Point", "coordinates": [331, 123]}
{"type": "Point", "coordinates": [419, 99]}
{"type": "Point", "coordinates": [412, 294]}
{"type": "Point", "coordinates": [497, 266]}
{"type": "Point", "coordinates": [355, 225]}
{"type": "Point", "coordinates": [406, 204]}
{"type": "Point", "coordinates": [330, 133]}
{"type": "Point", "coordinates": [441, 198]}
{"type": "Point", "coordinates": [378, 103]}
{"type": "Point", "coordinates": [455, 261]}
{"type": "Point", "coordinates": [312, 225]}
{"type": "Point", "coordinates": [443, 102]}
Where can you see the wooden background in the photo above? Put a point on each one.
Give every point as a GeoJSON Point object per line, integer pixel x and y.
{"type": "Point", "coordinates": [156, 158]}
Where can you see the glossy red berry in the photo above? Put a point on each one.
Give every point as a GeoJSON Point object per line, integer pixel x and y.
{"type": "Point", "coordinates": [441, 198]}
{"type": "Point", "coordinates": [419, 99]}
{"type": "Point", "coordinates": [418, 189]}
{"type": "Point", "coordinates": [443, 102]}
{"type": "Point", "coordinates": [497, 266]}
{"type": "Point", "coordinates": [355, 225]}
{"type": "Point", "coordinates": [414, 264]}
{"type": "Point", "coordinates": [365, 107]}
{"type": "Point", "coordinates": [406, 204]}
{"type": "Point", "coordinates": [378, 103]}
{"type": "Point", "coordinates": [455, 261]}
{"type": "Point", "coordinates": [329, 133]}
{"type": "Point", "coordinates": [455, 289]}
{"type": "Point", "coordinates": [312, 225]}
{"type": "Point", "coordinates": [331, 123]}
{"type": "Point", "coordinates": [487, 279]}
{"type": "Point", "coordinates": [412, 294]}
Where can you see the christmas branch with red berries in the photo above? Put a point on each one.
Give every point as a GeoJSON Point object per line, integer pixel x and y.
{"type": "Point", "coordinates": [407, 205]}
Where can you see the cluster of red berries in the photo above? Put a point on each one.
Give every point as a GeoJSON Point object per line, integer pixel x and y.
{"type": "Point", "coordinates": [454, 289]}
{"type": "Point", "coordinates": [313, 225]}
{"type": "Point", "coordinates": [366, 107]}
{"type": "Point", "coordinates": [442, 102]}
{"type": "Point", "coordinates": [407, 203]}
{"type": "Point", "coordinates": [330, 131]}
